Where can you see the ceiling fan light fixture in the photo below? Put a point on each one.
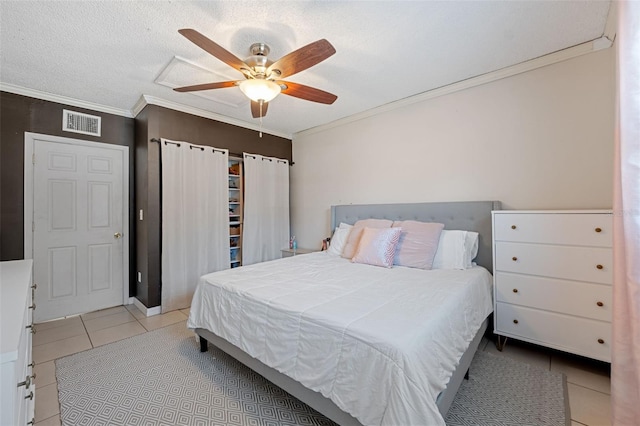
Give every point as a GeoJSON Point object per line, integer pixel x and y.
{"type": "Point", "coordinates": [258, 89]}
{"type": "Point", "coordinates": [263, 77]}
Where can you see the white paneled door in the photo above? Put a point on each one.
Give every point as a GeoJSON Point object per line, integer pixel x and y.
{"type": "Point", "coordinates": [78, 225]}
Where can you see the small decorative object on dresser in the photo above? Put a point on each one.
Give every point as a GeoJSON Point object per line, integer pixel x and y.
{"type": "Point", "coordinates": [17, 389]}
{"type": "Point", "coordinates": [553, 273]}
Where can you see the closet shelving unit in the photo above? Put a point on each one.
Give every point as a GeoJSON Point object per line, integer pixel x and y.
{"type": "Point", "coordinates": [236, 187]}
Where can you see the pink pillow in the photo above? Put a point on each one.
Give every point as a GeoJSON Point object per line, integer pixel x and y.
{"type": "Point", "coordinates": [377, 246]}
{"type": "Point", "coordinates": [418, 243]}
{"type": "Point", "coordinates": [356, 232]}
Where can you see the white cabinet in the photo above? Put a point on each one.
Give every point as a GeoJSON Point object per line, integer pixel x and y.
{"type": "Point", "coordinates": [553, 272]}
{"type": "Point", "coordinates": [17, 389]}
{"type": "Point", "coordinates": [236, 187]}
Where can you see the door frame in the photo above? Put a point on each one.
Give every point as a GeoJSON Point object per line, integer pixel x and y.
{"type": "Point", "coordinates": [29, 149]}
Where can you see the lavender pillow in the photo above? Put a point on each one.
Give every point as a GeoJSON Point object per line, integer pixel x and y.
{"type": "Point", "coordinates": [356, 232]}
{"type": "Point", "coordinates": [377, 247]}
{"type": "Point", "coordinates": [418, 243]}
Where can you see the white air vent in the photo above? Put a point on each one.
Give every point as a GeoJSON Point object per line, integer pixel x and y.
{"type": "Point", "coordinates": [78, 122]}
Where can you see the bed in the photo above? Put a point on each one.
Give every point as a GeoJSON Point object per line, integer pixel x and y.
{"type": "Point", "coordinates": [319, 327]}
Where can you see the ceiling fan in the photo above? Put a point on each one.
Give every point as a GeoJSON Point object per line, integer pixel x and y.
{"type": "Point", "coordinates": [262, 76]}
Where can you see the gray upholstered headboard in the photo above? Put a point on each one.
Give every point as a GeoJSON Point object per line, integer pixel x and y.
{"type": "Point", "coordinates": [464, 215]}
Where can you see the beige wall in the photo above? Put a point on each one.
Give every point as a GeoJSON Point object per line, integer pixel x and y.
{"type": "Point", "coordinates": [538, 140]}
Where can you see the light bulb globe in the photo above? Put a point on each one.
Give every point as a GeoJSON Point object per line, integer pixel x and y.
{"type": "Point", "coordinates": [258, 89]}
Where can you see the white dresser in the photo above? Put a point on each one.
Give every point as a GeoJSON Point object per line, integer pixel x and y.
{"type": "Point", "coordinates": [17, 389]}
{"type": "Point", "coordinates": [553, 273]}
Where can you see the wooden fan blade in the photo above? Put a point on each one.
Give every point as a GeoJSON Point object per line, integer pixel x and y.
{"type": "Point", "coordinates": [301, 59]}
{"type": "Point", "coordinates": [307, 93]}
{"type": "Point", "coordinates": [255, 109]}
{"type": "Point", "coordinates": [215, 49]}
{"type": "Point", "coordinates": [206, 86]}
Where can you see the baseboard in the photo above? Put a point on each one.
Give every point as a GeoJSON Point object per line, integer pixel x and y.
{"type": "Point", "coordinates": [148, 312]}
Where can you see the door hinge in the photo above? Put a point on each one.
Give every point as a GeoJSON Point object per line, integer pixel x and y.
{"type": "Point", "coordinates": [33, 158]}
{"type": "Point", "coordinates": [33, 226]}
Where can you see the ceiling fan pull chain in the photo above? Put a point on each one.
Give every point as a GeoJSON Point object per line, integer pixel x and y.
{"type": "Point", "coordinates": [261, 102]}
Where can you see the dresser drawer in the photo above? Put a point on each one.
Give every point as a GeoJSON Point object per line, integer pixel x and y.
{"type": "Point", "coordinates": [586, 229]}
{"type": "Point", "coordinates": [569, 297]}
{"type": "Point", "coordinates": [572, 334]}
{"type": "Point", "coordinates": [589, 264]}
{"type": "Point", "coordinates": [16, 402]}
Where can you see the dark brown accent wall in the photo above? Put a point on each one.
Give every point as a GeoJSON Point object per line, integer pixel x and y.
{"type": "Point", "coordinates": [157, 122]}
{"type": "Point", "coordinates": [20, 114]}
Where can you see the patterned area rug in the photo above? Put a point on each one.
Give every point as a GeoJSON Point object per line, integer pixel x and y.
{"type": "Point", "coordinates": [162, 378]}
{"type": "Point", "coordinates": [504, 392]}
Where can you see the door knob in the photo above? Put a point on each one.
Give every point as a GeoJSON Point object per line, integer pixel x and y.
{"type": "Point", "coordinates": [117, 235]}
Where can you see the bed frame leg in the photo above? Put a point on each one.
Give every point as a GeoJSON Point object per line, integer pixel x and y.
{"type": "Point", "coordinates": [204, 345]}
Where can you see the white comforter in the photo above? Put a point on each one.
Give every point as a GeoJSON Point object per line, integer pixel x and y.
{"type": "Point", "coordinates": [380, 343]}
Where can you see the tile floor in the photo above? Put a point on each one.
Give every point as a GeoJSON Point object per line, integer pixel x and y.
{"type": "Point", "coordinates": [588, 381]}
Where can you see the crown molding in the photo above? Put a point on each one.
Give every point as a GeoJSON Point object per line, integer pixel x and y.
{"type": "Point", "coordinates": [32, 93]}
{"type": "Point", "coordinates": [152, 100]}
{"type": "Point", "coordinates": [610, 27]}
{"type": "Point", "coordinates": [142, 102]}
{"type": "Point", "coordinates": [603, 42]}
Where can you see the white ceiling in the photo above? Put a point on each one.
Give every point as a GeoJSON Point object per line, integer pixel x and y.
{"type": "Point", "coordinates": [110, 53]}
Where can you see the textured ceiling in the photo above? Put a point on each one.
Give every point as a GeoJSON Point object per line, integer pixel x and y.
{"type": "Point", "coordinates": [111, 53]}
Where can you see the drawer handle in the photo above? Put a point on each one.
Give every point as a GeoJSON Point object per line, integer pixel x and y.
{"type": "Point", "coordinates": [33, 364]}
{"type": "Point", "coordinates": [598, 229]}
{"type": "Point", "coordinates": [515, 290]}
{"type": "Point", "coordinates": [515, 321]}
{"type": "Point", "coordinates": [33, 307]}
{"type": "Point", "coordinates": [515, 259]}
{"type": "Point", "coordinates": [599, 266]}
{"type": "Point", "coordinates": [32, 422]}
{"type": "Point", "coordinates": [32, 327]}
{"type": "Point", "coordinates": [601, 341]}
{"type": "Point", "coordinates": [600, 304]}
{"type": "Point", "coordinates": [513, 227]}
{"type": "Point", "coordinates": [34, 286]}
{"type": "Point", "coordinates": [30, 396]}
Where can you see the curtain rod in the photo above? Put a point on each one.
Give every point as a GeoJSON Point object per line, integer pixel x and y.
{"type": "Point", "coordinates": [270, 159]}
{"type": "Point", "coordinates": [231, 154]}
{"type": "Point", "coordinates": [202, 148]}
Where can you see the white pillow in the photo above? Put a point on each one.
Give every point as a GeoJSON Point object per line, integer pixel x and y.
{"type": "Point", "coordinates": [470, 248]}
{"type": "Point", "coordinates": [345, 226]}
{"type": "Point", "coordinates": [339, 239]}
{"type": "Point", "coordinates": [456, 250]}
{"type": "Point", "coordinates": [450, 252]}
